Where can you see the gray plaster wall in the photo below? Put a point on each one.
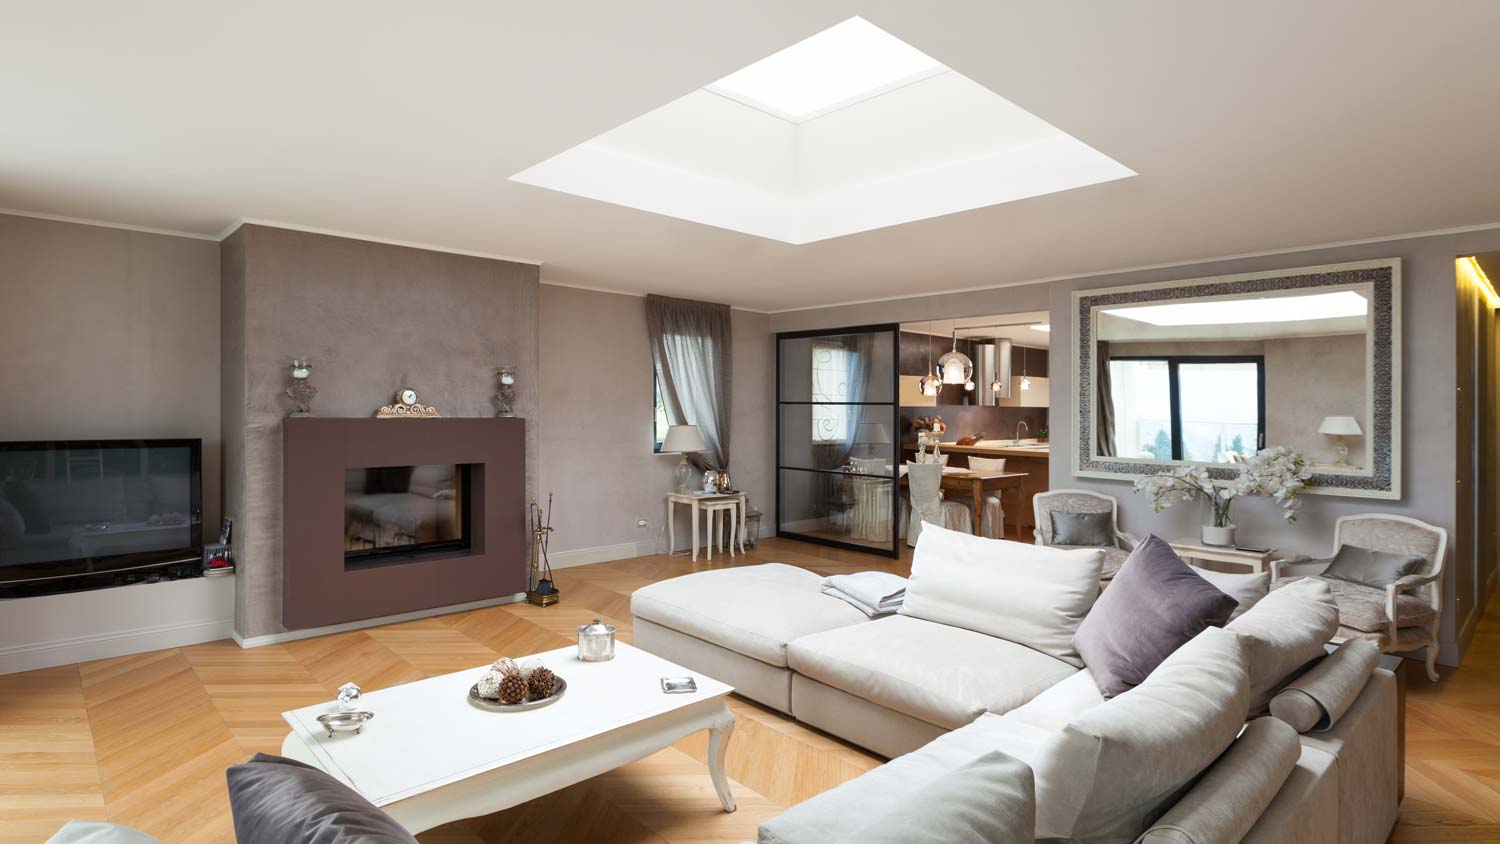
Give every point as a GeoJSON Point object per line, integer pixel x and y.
{"type": "Point", "coordinates": [372, 317]}
{"type": "Point", "coordinates": [596, 445]}
{"type": "Point", "coordinates": [110, 334]}
{"type": "Point", "coordinates": [1429, 379]}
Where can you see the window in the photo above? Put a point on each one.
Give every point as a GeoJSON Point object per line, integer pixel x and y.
{"type": "Point", "coordinates": [1202, 409]}
{"type": "Point", "coordinates": [659, 424]}
{"type": "Point", "coordinates": [830, 383]}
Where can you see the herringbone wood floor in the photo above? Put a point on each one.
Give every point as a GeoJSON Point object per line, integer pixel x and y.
{"type": "Point", "coordinates": [144, 740]}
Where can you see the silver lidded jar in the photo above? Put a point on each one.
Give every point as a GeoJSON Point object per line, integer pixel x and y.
{"type": "Point", "coordinates": [596, 642]}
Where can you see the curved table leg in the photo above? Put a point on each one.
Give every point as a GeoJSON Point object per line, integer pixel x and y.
{"type": "Point", "coordinates": [718, 739]}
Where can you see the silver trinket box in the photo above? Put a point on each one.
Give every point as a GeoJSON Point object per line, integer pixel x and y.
{"type": "Point", "coordinates": [596, 642]}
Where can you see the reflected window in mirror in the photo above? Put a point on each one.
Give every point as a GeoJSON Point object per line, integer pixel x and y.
{"type": "Point", "coordinates": [1200, 409]}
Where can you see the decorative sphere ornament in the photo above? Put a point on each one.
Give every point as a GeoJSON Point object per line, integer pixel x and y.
{"type": "Point", "coordinates": [489, 684]}
{"type": "Point", "coordinates": [528, 667]}
{"type": "Point", "coordinates": [349, 697]}
{"type": "Point", "coordinates": [506, 665]}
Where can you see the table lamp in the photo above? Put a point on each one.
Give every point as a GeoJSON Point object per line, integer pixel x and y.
{"type": "Point", "coordinates": [871, 434]}
{"type": "Point", "coordinates": [1339, 427]}
{"type": "Point", "coordinates": [684, 440]}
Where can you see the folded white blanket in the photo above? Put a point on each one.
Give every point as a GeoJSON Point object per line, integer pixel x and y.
{"type": "Point", "coordinates": [872, 592]}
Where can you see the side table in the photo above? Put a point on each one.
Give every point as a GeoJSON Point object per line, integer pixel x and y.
{"type": "Point", "coordinates": [1196, 549]}
{"type": "Point", "coordinates": [694, 501]}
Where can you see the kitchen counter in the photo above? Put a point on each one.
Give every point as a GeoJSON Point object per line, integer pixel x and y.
{"type": "Point", "coordinates": [1034, 450]}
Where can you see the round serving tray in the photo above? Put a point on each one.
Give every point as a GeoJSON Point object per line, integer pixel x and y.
{"type": "Point", "coordinates": [497, 706]}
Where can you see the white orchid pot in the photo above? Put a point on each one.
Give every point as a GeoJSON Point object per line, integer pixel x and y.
{"type": "Point", "coordinates": [1221, 536]}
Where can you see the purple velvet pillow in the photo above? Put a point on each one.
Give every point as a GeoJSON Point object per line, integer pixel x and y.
{"type": "Point", "coordinates": [1152, 607]}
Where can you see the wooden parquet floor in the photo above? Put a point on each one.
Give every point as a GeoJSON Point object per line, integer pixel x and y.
{"type": "Point", "coordinates": [144, 740]}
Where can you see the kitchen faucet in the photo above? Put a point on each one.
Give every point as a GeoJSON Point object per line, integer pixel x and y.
{"type": "Point", "coordinates": [1019, 426]}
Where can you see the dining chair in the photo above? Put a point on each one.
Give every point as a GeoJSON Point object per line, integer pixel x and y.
{"type": "Point", "coordinates": [992, 518]}
{"type": "Point", "coordinates": [924, 485]}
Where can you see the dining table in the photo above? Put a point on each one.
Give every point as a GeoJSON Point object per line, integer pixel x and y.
{"type": "Point", "coordinates": [976, 484]}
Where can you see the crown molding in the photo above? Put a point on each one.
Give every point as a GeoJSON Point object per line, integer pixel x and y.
{"type": "Point", "coordinates": [104, 224]}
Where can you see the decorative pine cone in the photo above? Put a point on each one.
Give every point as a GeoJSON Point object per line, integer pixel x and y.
{"type": "Point", "coordinates": [543, 683]}
{"type": "Point", "coordinates": [512, 689]}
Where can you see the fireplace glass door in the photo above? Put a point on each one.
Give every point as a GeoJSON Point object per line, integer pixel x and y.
{"type": "Point", "coordinates": [393, 513]}
{"type": "Point", "coordinates": [837, 438]}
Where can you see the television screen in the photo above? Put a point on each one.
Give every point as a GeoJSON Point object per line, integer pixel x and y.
{"type": "Point", "coordinates": [75, 507]}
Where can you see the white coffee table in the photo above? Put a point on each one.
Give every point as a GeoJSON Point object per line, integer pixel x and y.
{"type": "Point", "coordinates": [429, 757]}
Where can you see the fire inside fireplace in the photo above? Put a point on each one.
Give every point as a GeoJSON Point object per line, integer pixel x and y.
{"type": "Point", "coordinates": [392, 513]}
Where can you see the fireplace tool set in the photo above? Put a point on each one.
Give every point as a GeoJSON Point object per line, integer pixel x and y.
{"type": "Point", "coordinates": [539, 588]}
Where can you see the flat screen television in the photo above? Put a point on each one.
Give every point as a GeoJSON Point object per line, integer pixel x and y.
{"type": "Point", "coordinates": [79, 514]}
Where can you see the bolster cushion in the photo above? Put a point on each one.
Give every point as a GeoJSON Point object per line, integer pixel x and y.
{"type": "Point", "coordinates": [1226, 802]}
{"type": "Point", "coordinates": [1317, 699]}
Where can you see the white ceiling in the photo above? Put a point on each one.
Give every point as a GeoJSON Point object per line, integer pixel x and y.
{"type": "Point", "coordinates": [1016, 327]}
{"type": "Point", "coordinates": [1252, 126]}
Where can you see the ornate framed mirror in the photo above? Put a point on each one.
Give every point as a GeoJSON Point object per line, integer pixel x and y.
{"type": "Point", "coordinates": [1208, 371]}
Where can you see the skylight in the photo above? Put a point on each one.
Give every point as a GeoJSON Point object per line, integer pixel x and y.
{"type": "Point", "coordinates": [838, 67]}
{"type": "Point", "coordinates": [1346, 303]}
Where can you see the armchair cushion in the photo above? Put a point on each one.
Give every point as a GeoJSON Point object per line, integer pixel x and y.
{"type": "Point", "coordinates": [1362, 608]}
{"type": "Point", "coordinates": [1377, 569]}
{"type": "Point", "coordinates": [1094, 530]}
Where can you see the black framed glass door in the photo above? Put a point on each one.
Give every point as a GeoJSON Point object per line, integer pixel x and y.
{"type": "Point", "coordinates": [838, 437]}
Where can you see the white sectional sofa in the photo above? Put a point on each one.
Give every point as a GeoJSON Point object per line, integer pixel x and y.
{"type": "Point", "coordinates": [1172, 760]}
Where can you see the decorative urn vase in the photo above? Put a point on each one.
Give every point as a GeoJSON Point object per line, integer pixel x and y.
{"type": "Point", "coordinates": [1222, 536]}
{"type": "Point", "coordinates": [596, 642]}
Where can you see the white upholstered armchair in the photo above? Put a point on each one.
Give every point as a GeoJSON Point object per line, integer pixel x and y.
{"type": "Point", "coordinates": [1406, 614]}
{"type": "Point", "coordinates": [1044, 504]}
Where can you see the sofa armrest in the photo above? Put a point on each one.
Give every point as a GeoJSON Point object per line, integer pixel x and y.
{"type": "Point", "coordinates": [1298, 565]}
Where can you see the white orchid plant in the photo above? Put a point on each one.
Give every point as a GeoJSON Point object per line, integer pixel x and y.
{"type": "Point", "coordinates": [1279, 474]}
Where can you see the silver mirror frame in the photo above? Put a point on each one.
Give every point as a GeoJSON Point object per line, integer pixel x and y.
{"type": "Point", "coordinates": [1383, 368]}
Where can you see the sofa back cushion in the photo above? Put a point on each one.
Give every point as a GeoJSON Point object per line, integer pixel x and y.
{"type": "Point", "coordinates": [1153, 740]}
{"type": "Point", "coordinates": [1285, 630]}
{"type": "Point", "coordinates": [991, 800]}
{"type": "Point", "coordinates": [1154, 605]}
{"type": "Point", "coordinates": [1246, 588]}
{"type": "Point", "coordinates": [1028, 594]}
{"type": "Point", "coordinates": [1228, 799]}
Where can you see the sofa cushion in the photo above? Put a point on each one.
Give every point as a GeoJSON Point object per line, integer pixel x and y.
{"type": "Point", "coordinates": [1114, 558]}
{"type": "Point", "coordinates": [1092, 530]}
{"type": "Point", "coordinates": [1226, 801]}
{"type": "Point", "coordinates": [1028, 594]}
{"type": "Point", "coordinates": [1362, 607]}
{"type": "Point", "coordinates": [1156, 738]}
{"type": "Point", "coordinates": [1054, 708]}
{"type": "Point", "coordinates": [1376, 569]}
{"type": "Point", "coordinates": [991, 800]}
{"type": "Point", "coordinates": [752, 610]}
{"type": "Point", "coordinates": [273, 798]}
{"type": "Point", "coordinates": [1055, 763]}
{"type": "Point", "coordinates": [1286, 630]}
{"type": "Point", "coordinates": [1155, 604]}
{"type": "Point", "coordinates": [1245, 588]}
{"type": "Point", "coordinates": [939, 674]}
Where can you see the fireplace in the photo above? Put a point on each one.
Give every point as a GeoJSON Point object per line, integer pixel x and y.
{"type": "Point", "coordinates": [401, 513]}
{"type": "Point", "coordinates": [387, 516]}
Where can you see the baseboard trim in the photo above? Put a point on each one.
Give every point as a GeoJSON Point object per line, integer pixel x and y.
{"type": "Point", "coordinates": [36, 655]}
{"type": "Point", "coordinates": [310, 632]}
{"type": "Point", "coordinates": [600, 554]}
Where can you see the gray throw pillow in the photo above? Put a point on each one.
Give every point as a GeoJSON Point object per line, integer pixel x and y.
{"type": "Point", "coordinates": [990, 800]}
{"type": "Point", "coordinates": [276, 800]}
{"type": "Point", "coordinates": [1154, 606]}
{"type": "Point", "coordinates": [1378, 569]}
{"type": "Point", "coordinates": [1092, 529]}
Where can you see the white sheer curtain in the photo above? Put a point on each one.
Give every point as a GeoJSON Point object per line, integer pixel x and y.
{"type": "Point", "coordinates": [690, 347]}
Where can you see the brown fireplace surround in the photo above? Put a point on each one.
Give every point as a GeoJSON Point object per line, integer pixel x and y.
{"type": "Point", "coordinates": [319, 589]}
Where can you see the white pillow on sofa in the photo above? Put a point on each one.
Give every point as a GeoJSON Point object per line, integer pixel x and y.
{"type": "Point", "coordinates": [1286, 630]}
{"type": "Point", "coordinates": [1156, 738]}
{"type": "Point", "coordinates": [1028, 594]}
{"type": "Point", "coordinates": [1247, 589]}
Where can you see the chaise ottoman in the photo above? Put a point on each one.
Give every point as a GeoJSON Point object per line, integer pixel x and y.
{"type": "Point", "coordinates": [734, 624]}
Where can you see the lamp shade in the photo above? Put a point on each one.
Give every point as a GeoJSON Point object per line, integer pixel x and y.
{"type": "Point", "coordinates": [1345, 426]}
{"type": "Point", "coordinates": [681, 439]}
{"type": "Point", "coordinates": [872, 433]}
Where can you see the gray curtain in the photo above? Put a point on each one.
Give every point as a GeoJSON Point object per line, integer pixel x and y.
{"type": "Point", "coordinates": [690, 347]}
{"type": "Point", "coordinates": [1104, 403]}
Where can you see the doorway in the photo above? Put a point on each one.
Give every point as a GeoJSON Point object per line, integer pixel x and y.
{"type": "Point", "coordinates": [1477, 542]}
